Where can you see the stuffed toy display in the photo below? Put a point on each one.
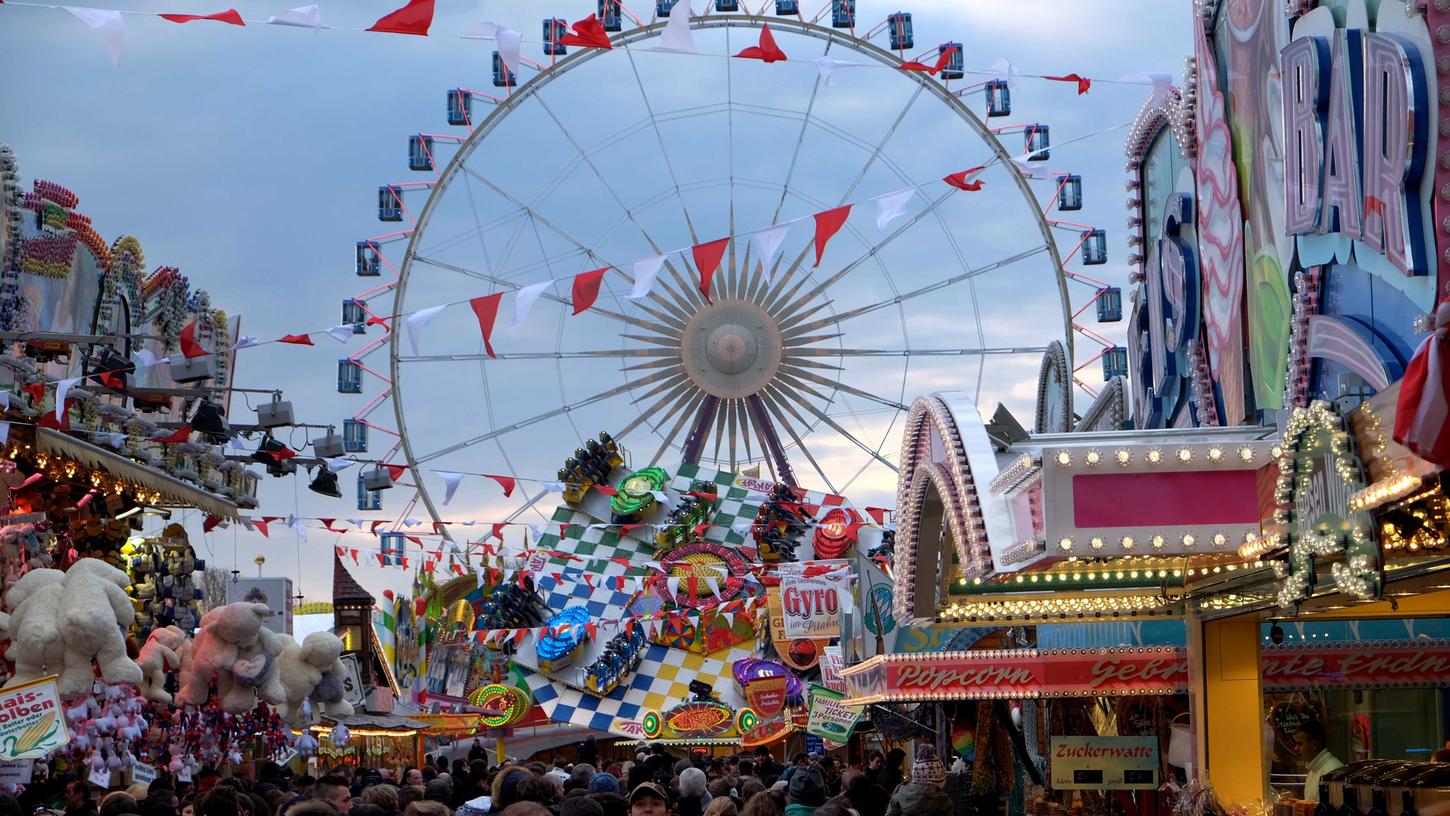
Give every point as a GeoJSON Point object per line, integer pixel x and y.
{"type": "Point", "coordinates": [62, 621]}
{"type": "Point", "coordinates": [229, 646]}
{"type": "Point", "coordinates": [162, 582]}
{"type": "Point", "coordinates": [163, 652]}
{"type": "Point", "coordinates": [310, 672]}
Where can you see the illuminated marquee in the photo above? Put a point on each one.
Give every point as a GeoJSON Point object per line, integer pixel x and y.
{"type": "Point", "coordinates": [1356, 128]}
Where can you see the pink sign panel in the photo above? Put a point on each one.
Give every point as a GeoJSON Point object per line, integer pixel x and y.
{"type": "Point", "coordinates": [1168, 499]}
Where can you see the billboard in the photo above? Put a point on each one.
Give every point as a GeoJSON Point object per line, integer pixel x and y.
{"type": "Point", "coordinates": [276, 593]}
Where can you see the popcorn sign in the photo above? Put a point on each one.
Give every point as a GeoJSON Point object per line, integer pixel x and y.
{"type": "Point", "coordinates": [31, 724]}
{"type": "Point", "coordinates": [811, 607]}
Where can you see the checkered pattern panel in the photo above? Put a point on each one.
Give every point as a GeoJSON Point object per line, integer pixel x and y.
{"type": "Point", "coordinates": [663, 679]}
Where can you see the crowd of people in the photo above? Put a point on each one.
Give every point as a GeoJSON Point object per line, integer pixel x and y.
{"type": "Point", "coordinates": [655, 783]}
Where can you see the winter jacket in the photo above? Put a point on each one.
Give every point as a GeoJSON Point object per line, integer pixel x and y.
{"type": "Point", "coordinates": [799, 810]}
{"type": "Point", "coordinates": [919, 799]}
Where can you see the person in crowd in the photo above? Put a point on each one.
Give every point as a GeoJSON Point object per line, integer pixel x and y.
{"type": "Point", "coordinates": [749, 786]}
{"type": "Point", "coordinates": [603, 783]}
{"type": "Point", "coordinates": [119, 803]}
{"type": "Point", "coordinates": [541, 789]}
{"type": "Point", "coordinates": [439, 790]}
{"type": "Point", "coordinates": [661, 764]}
{"type": "Point", "coordinates": [505, 790]}
{"type": "Point", "coordinates": [588, 752]}
{"type": "Point", "coordinates": [384, 796]}
{"type": "Point", "coordinates": [526, 809]}
{"type": "Point", "coordinates": [408, 794]}
{"type": "Point", "coordinates": [613, 804]}
{"type": "Point", "coordinates": [836, 807]}
{"type": "Point", "coordinates": [412, 776]}
{"type": "Point", "coordinates": [1312, 746]}
{"type": "Point", "coordinates": [310, 807]}
{"type": "Point", "coordinates": [805, 791]}
{"type": "Point", "coordinates": [723, 787]}
{"type": "Point", "coordinates": [649, 799]}
{"type": "Point", "coordinates": [561, 768]}
{"type": "Point", "coordinates": [890, 777]}
{"type": "Point", "coordinates": [427, 807]}
{"type": "Point", "coordinates": [762, 804]}
{"type": "Point", "coordinates": [722, 806]}
{"type": "Point", "coordinates": [692, 782]}
{"type": "Point", "coordinates": [477, 751]}
{"type": "Point", "coordinates": [859, 794]}
{"type": "Point", "coordinates": [365, 809]}
{"type": "Point", "coordinates": [79, 799]}
{"type": "Point", "coordinates": [333, 790]}
{"type": "Point", "coordinates": [923, 795]}
{"type": "Point", "coordinates": [580, 805]}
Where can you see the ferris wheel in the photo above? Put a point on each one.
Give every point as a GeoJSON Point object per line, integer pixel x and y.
{"type": "Point", "coordinates": [589, 158]}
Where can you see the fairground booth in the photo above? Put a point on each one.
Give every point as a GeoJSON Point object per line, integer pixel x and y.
{"type": "Point", "coordinates": [1246, 536]}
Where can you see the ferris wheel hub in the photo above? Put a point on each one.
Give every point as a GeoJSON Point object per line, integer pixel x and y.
{"type": "Point", "coordinates": [731, 348]}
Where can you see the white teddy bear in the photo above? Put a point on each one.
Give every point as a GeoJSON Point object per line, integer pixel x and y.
{"type": "Point", "coordinates": [229, 646]}
{"type": "Point", "coordinates": [94, 614]}
{"type": "Point", "coordinates": [33, 604]}
{"type": "Point", "coordinates": [299, 671]}
{"type": "Point", "coordinates": [162, 652]}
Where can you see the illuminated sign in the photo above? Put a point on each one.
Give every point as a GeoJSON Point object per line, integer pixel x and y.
{"type": "Point", "coordinates": [1167, 318]}
{"type": "Point", "coordinates": [1356, 131]}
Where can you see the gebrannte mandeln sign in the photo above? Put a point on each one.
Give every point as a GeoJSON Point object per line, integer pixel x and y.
{"type": "Point", "coordinates": [1363, 664]}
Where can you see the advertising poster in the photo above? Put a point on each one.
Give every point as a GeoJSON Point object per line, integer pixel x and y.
{"type": "Point", "coordinates": [766, 695]}
{"type": "Point", "coordinates": [274, 592]}
{"type": "Point", "coordinates": [31, 721]}
{"type": "Point", "coordinates": [812, 607]}
{"type": "Point", "coordinates": [829, 718]}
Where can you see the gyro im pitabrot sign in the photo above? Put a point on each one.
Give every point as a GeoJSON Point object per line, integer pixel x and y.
{"type": "Point", "coordinates": [811, 607]}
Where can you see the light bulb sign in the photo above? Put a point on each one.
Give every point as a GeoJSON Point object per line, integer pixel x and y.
{"type": "Point", "coordinates": [1356, 132]}
{"type": "Point", "coordinates": [1167, 318]}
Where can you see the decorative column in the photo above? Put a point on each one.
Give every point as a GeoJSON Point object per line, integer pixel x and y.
{"type": "Point", "coordinates": [1226, 697]}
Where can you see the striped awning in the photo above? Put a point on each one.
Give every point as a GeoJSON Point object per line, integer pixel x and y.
{"type": "Point", "coordinates": [172, 489]}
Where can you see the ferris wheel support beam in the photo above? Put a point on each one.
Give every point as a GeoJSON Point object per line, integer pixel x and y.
{"type": "Point", "coordinates": [773, 401]}
{"type": "Point", "coordinates": [695, 442]}
{"type": "Point", "coordinates": [769, 439]}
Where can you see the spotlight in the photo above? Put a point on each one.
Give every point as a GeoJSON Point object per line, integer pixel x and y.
{"type": "Point", "coordinates": [265, 450]}
{"type": "Point", "coordinates": [1276, 634]}
{"type": "Point", "coordinates": [286, 467]}
{"type": "Point", "coordinates": [377, 479]}
{"type": "Point", "coordinates": [110, 369]}
{"type": "Point", "coordinates": [325, 483]}
{"type": "Point", "coordinates": [274, 414]}
{"type": "Point", "coordinates": [209, 421]}
{"type": "Point", "coordinates": [328, 447]}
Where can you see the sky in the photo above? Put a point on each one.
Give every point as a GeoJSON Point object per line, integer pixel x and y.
{"type": "Point", "coordinates": [249, 158]}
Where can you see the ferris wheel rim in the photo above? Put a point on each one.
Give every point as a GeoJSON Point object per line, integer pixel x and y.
{"type": "Point", "coordinates": [528, 89]}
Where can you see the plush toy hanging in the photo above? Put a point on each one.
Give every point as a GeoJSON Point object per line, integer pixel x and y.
{"type": "Point", "coordinates": [1422, 418]}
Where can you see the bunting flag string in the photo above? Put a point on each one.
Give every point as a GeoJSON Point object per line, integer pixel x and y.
{"type": "Point", "coordinates": [707, 259]}
{"type": "Point", "coordinates": [414, 18]}
{"type": "Point", "coordinates": [230, 17]}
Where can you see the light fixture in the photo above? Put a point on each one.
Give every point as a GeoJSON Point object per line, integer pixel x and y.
{"type": "Point", "coordinates": [127, 513]}
{"type": "Point", "coordinates": [1123, 456]}
{"type": "Point", "coordinates": [1185, 455]}
{"type": "Point", "coordinates": [1246, 453]}
{"type": "Point", "coordinates": [1154, 456]}
{"type": "Point", "coordinates": [209, 421]}
{"type": "Point", "coordinates": [325, 483]}
{"type": "Point", "coordinates": [1215, 454]}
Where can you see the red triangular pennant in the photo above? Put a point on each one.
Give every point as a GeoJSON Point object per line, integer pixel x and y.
{"type": "Point", "coordinates": [505, 482]}
{"type": "Point", "coordinates": [395, 472]}
{"type": "Point", "coordinates": [588, 33]}
{"type": "Point", "coordinates": [261, 527]}
{"type": "Point", "coordinates": [497, 531]}
{"type": "Point", "coordinates": [828, 223]}
{"type": "Point", "coordinates": [414, 18]}
{"type": "Point", "coordinates": [375, 527]}
{"type": "Point", "coordinates": [959, 180]}
{"type": "Point", "coordinates": [414, 539]}
{"type": "Point", "coordinates": [766, 51]}
{"type": "Point", "coordinates": [586, 289]}
{"type": "Point", "coordinates": [230, 17]}
{"type": "Point", "coordinates": [606, 490]}
{"type": "Point", "coordinates": [183, 434]}
{"type": "Point", "coordinates": [210, 523]}
{"type": "Point", "coordinates": [707, 260]}
{"type": "Point", "coordinates": [1083, 83]}
{"type": "Point", "coordinates": [877, 513]}
{"type": "Point", "coordinates": [486, 310]}
{"type": "Point", "coordinates": [36, 392]}
{"type": "Point", "coordinates": [189, 347]}
{"type": "Point", "coordinates": [297, 339]}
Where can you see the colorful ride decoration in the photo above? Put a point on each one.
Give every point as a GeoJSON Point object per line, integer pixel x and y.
{"type": "Point", "coordinates": [698, 719]}
{"type": "Point", "coordinates": [621, 656]}
{"type": "Point", "coordinates": [781, 525]}
{"type": "Point", "coordinates": [509, 606]}
{"type": "Point", "coordinates": [750, 669]}
{"type": "Point", "coordinates": [635, 496]}
{"type": "Point", "coordinates": [564, 639]}
{"type": "Point", "coordinates": [502, 705]}
{"type": "Point", "coordinates": [698, 566]}
{"type": "Point", "coordinates": [694, 509]}
{"type": "Point", "coordinates": [589, 466]}
{"type": "Point", "coordinates": [836, 533]}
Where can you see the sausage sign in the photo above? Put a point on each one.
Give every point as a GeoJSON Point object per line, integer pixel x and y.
{"type": "Point", "coordinates": [811, 607]}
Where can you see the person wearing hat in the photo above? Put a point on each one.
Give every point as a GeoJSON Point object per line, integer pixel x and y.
{"type": "Point", "coordinates": [805, 792]}
{"type": "Point", "coordinates": [648, 799]}
{"type": "Point", "coordinates": [923, 795]}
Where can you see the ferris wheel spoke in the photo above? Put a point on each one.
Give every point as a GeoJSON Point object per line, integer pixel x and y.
{"type": "Point", "coordinates": [743, 415]}
{"type": "Point", "coordinates": [691, 405]}
{"type": "Point", "coordinates": [838, 428]}
{"type": "Point", "coordinates": [820, 304]}
{"type": "Point", "coordinates": [797, 341]}
{"type": "Point", "coordinates": [668, 341]}
{"type": "Point", "coordinates": [677, 381]}
{"type": "Point", "coordinates": [511, 286]}
{"type": "Point", "coordinates": [881, 145]}
{"type": "Point", "coordinates": [772, 401]}
{"type": "Point", "coordinates": [801, 362]}
{"type": "Point", "coordinates": [537, 418]}
{"type": "Point", "coordinates": [733, 428]}
{"type": "Point", "coordinates": [799, 141]}
{"type": "Point", "coordinates": [534, 355]}
{"type": "Point", "coordinates": [678, 391]}
{"type": "Point", "coordinates": [778, 293]}
{"type": "Point", "coordinates": [720, 427]}
{"type": "Point", "coordinates": [849, 389]}
{"type": "Point", "coordinates": [660, 139]}
{"type": "Point", "coordinates": [925, 290]}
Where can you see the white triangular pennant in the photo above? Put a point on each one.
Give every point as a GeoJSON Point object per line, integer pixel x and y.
{"type": "Point", "coordinates": [418, 322]}
{"type": "Point", "coordinates": [524, 300]}
{"type": "Point", "coordinates": [302, 17]}
{"type": "Point", "coordinates": [1004, 69]}
{"type": "Point", "coordinates": [246, 341]}
{"type": "Point", "coordinates": [892, 206]}
{"type": "Point", "coordinates": [508, 47]}
{"type": "Point", "coordinates": [485, 30]}
{"type": "Point", "coordinates": [342, 333]}
{"type": "Point", "coordinates": [106, 23]}
{"type": "Point", "coordinates": [767, 243]}
{"type": "Point", "coordinates": [645, 273]}
{"type": "Point", "coordinates": [61, 389]}
{"type": "Point", "coordinates": [676, 34]}
{"type": "Point", "coordinates": [451, 481]}
{"type": "Point", "coordinates": [338, 463]}
{"type": "Point", "coordinates": [826, 67]}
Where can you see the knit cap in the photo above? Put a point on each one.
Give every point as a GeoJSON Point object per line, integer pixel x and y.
{"type": "Point", "coordinates": [927, 768]}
